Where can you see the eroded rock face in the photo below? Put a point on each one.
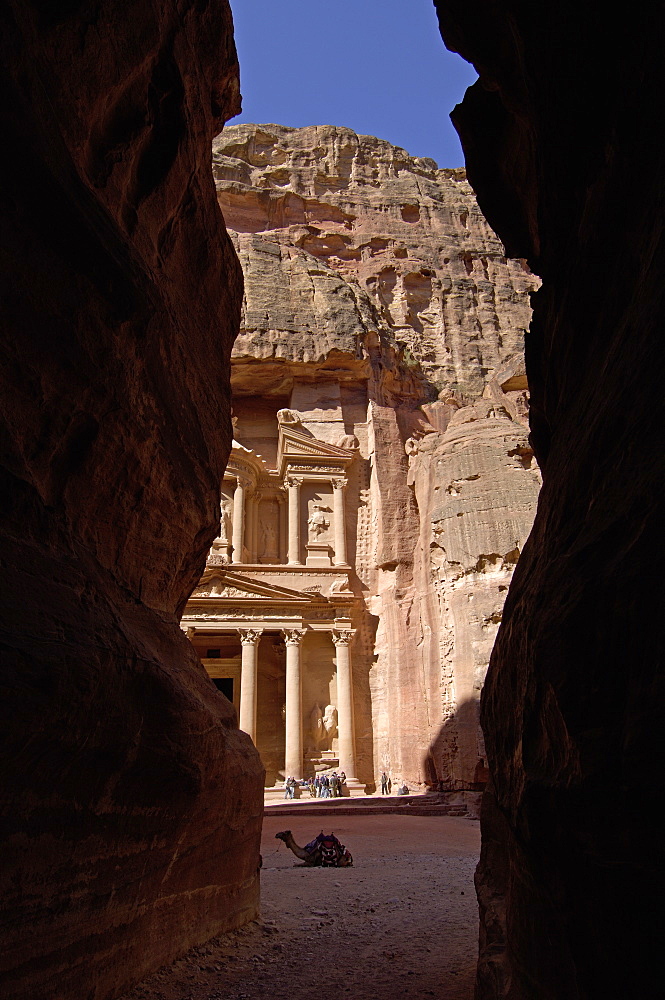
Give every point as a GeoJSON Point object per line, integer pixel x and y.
{"type": "Point", "coordinates": [555, 133]}
{"type": "Point", "coordinates": [409, 235]}
{"type": "Point", "coordinates": [380, 305]}
{"type": "Point", "coordinates": [131, 803]}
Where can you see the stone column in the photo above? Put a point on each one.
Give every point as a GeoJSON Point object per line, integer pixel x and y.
{"type": "Point", "coordinates": [250, 638]}
{"type": "Point", "coordinates": [293, 486]}
{"type": "Point", "coordinates": [339, 485]}
{"type": "Point", "coordinates": [249, 510]}
{"type": "Point", "coordinates": [345, 728]}
{"type": "Point", "coordinates": [239, 518]}
{"type": "Point", "coordinates": [293, 755]}
{"type": "Point", "coordinates": [283, 528]}
{"type": "Point", "coordinates": [253, 539]}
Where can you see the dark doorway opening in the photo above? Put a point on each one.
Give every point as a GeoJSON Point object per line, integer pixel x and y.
{"type": "Point", "coordinates": [225, 685]}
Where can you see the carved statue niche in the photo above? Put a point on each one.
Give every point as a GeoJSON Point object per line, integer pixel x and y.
{"type": "Point", "coordinates": [269, 532]}
{"type": "Point", "coordinates": [286, 416]}
{"type": "Point", "coordinates": [316, 726]}
{"type": "Point", "coordinates": [317, 522]}
{"type": "Point", "coordinates": [219, 553]}
{"type": "Point", "coordinates": [226, 527]}
{"type": "Point", "coordinates": [330, 722]}
{"type": "Point", "coordinates": [348, 441]}
{"type": "Point", "coordinates": [341, 585]}
{"type": "Point", "coordinates": [323, 727]}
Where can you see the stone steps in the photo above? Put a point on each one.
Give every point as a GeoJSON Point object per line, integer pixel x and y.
{"type": "Point", "coordinates": [463, 804]}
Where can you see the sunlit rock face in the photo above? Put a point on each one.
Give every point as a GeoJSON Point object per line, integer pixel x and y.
{"type": "Point", "coordinates": [131, 803]}
{"type": "Point", "coordinates": [408, 235]}
{"type": "Point", "coordinates": [556, 133]}
{"type": "Point", "coordinates": [379, 304]}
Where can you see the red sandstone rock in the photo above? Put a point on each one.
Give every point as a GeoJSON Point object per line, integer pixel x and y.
{"type": "Point", "coordinates": [131, 804]}
{"type": "Point", "coordinates": [558, 133]}
{"type": "Point", "coordinates": [379, 303]}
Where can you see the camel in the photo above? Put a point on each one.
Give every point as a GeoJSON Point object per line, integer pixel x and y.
{"type": "Point", "coordinates": [325, 851]}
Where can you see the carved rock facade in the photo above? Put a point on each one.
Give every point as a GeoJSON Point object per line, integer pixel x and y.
{"type": "Point", "coordinates": [381, 468]}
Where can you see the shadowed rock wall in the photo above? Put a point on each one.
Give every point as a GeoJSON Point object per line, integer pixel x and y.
{"type": "Point", "coordinates": [130, 803]}
{"type": "Point", "coordinates": [567, 165]}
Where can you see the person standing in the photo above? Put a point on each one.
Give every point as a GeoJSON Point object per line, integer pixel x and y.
{"type": "Point", "coordinates": [384, 783]}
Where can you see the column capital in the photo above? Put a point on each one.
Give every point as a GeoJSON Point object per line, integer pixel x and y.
{"type": "Point", "coordinates": [342, 637]}
{"type": "Point", "coordinates": [243, 481]}
{"type": "Point", "coordinates": [293, 636]}
{"type": "Point", "coordinates": [250, 636]}
{"type": "Point", "coordinates": [293, 481]}
{"type": "Point", "coordinates": [339, 484]}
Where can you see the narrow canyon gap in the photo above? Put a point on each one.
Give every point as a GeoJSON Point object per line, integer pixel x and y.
{"type": "Point", "coordinates": [131, 803]}
{"type": "Point", "coordinates": [566, 157]}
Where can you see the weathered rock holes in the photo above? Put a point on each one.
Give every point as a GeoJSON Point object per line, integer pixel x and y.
{"type": "Point", "coordinates": [524, 456]}
{"type": "Point", "coordinates": [410, 213]}
{"type": "Point", "coordinates": [467, 260]}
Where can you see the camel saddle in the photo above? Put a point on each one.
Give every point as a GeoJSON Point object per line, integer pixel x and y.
{"type": "Point", "coordinates": [333, 853]}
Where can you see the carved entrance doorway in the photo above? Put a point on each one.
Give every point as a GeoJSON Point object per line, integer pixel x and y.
{"type": "Point", "coordinates": [225, 675]}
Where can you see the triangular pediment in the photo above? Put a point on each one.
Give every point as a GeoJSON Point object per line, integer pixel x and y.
{"type": "Point", "coordinates": [296, 445]}
{"type": "Point", "coordinates": [227, 584]}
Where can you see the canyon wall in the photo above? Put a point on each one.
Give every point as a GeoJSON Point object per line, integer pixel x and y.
{"type": "Point", "coordinates": [130, 802]}
{"type": "Point", "coordinates": [557, 132]}
{"type": "Point", "coordinates": [380, 306]}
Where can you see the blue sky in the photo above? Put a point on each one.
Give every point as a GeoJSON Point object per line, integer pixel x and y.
{"type": "Point", "coordinates": [376, 66]}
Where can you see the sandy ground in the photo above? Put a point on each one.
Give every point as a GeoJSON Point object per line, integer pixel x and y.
{"type": "Point", "coordinates": [402, 923]}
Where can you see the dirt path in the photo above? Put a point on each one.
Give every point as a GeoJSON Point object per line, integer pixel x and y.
{"type": "Point", "coordinates": [402, 923]}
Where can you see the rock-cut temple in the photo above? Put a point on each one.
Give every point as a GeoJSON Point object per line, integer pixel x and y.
{"type": "Point", "coordinates": [275, 612]}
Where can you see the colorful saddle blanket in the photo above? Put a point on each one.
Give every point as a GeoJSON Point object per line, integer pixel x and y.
{"type": "Point", "coordinates": [333, 854]}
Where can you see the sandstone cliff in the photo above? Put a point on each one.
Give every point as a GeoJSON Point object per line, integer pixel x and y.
{"type": "Point", "coordinates": [131, 803]}
{"type": "Point", "coordinates": [379, 303]}
{"type": "Point", "coordinates": [557, 132]}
